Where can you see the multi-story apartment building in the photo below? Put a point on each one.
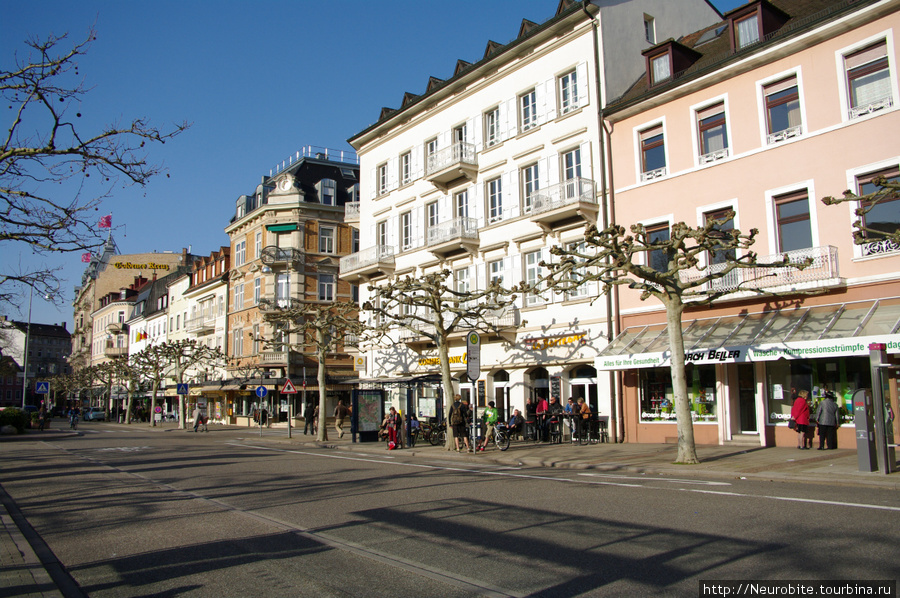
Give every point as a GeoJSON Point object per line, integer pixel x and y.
{"type": "Point", "coordinates": [484, 171]}
{"type": "Point", "coordinates": [48, 348]}
{"type": "Point", "coordinates": [200, 313]}
{"type": "Point", "coordinates": [286, 239]}
{"type": "Point", "coordinates": [109, 272]}
{"type": "Point", "coordinates": [764, 114]}
{"type": "Point", "coordinates": [109, 322]}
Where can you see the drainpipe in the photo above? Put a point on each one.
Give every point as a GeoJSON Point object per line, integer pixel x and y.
{"type": "Point", "coordinates": [615, 409]}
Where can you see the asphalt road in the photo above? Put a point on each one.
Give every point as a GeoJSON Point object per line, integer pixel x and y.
{"type": "Point", "coordinates": [129, 512]}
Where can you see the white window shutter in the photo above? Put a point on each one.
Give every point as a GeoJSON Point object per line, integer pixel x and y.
{"type": "Point", "coordinates": [548, 112]}
{"type": "Point", "coordinates": [553, 169]}
{"type": "Point", "coordinates": [581, 75]}
{"type": "Point", "coordinates": [417, 167]}
{"type": "Point", "coordinates": [476, 203]}
{"type": "Point", "coordinates": [587, 161]}
{"type": "Point", "coordinates": [393, 173]}
{"type": "Point", "coordinates": [511, 120]}
{"type": "Point", "coordinates": [373, 183]}
{"type": "Point", "coordinates": [511, 200]}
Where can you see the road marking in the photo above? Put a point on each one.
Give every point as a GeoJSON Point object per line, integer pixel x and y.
{"type": "Point", "coordinates": [123, 449]}
{"type": "Point", "coordinates": [792, 499]}
{"type": "Point", "coordinates": [576, 481]}
{"type": "Point", "coordinates": [655, 479]}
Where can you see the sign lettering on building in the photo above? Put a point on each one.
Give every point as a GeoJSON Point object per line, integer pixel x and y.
{"type": "Point", "coordinates": [133, 266]}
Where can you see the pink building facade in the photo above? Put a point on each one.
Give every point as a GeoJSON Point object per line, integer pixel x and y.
{"type": "Point", "coordinates": [764, 114]}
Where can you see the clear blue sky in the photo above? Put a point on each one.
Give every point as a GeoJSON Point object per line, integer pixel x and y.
{"type": "Point", "coordinates": [257, 80]}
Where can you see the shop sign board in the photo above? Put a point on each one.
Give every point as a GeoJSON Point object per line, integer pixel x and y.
{"type": "Point", "coordinates": [841, 347]}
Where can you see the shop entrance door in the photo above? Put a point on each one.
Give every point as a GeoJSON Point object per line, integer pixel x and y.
{"type": "Point", "coordinates": [746, 378]}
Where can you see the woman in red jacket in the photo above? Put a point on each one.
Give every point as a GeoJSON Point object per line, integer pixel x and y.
{"type": "Point", "coordinates": [800, 414]}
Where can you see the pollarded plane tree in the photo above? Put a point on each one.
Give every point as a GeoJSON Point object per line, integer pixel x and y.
{"type": "Point", "coordinates": [878, 212]}
{"type": "Point", "coordinates": [326, 327]}
{"type": "Point", "coordinates": [693, 266]}
{"type": "Point", "coordinates": [428, 307]}
{"type": "Point", "coordinates": [129, 374]}
{"type": "Point", "coordinates": [55, 170]}
{"type": "Point", "coordinates": [153, 366]}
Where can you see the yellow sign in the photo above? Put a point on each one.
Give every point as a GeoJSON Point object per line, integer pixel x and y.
{"type": "Point", "coordinates": [437, 360]}
{"type": "Point", "coordinates": [538, 344]}
{"type": "Point", "coordinates": [133, 266]}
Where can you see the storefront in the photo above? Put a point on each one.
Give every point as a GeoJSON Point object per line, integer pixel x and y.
{"type": "Point", "coordinates": [741, 370]}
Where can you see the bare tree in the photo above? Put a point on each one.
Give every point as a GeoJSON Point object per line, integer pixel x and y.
{"type": "Point", "coordinates": [53, 174]}
{"type": "Point", "coordinates": [152, 363]}
{"type": "Point", "coordinates": [870, 225]}
{"type": "Point", "coordinates": [129, 375]}
{"type": "Point", "coordinates": [184, 355]}
{"type": "Point", "coordinates": [694, 266]}
{"type": "Point", "coordinates": [323, 326]}
{"type": "Point", "coordinates": [430, 308]}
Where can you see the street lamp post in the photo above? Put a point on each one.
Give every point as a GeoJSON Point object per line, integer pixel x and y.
{"type": "Point", "coordinates": [25, 351]}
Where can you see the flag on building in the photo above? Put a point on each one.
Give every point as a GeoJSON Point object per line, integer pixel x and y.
{"type": "Point", "coordinates": [86, 258]}
{"type": "Point", "coordinates": [106, 221]}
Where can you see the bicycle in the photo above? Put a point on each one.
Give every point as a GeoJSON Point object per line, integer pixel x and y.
{"type": "Point", "coordinates": [501, 436]}
{"type": "Point", "coordinates": [436, 434]}
{"type": "Point", "coordinates": [73, 422]}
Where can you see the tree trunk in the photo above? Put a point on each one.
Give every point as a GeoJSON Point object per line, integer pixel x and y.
{"type": "Point", "coordinates": [320, 378]}
{"type": "Point", "coordinates": [687, 450]}
{"type": "Point", "coordinates": [447, 382]}
{"type": "Point", "coordinates": [153, 403]}
{"type": "Point", "coordinates": [128, 406]}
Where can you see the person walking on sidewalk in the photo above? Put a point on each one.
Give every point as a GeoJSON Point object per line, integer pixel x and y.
{"type": "Point", "coordinates": [458, 416]}
{"type": "Point", "coordinates": [800, 415]}
{"type": "Point", "coordinates": [198, 417]}
{"type": "Point", "coordinates": [828, 419]}
{"type": "Point", "coordinates": [490, 417]}
{"type": "Point", "coordinates": [340, 414]}
{"type": "Point", "coordinates": [309, 415]}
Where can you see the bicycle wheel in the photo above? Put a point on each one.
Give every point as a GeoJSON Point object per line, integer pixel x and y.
{"type": "Point", "coordinates": [439, 438]}
{"type": "Point", "coordinates": [502, 440]}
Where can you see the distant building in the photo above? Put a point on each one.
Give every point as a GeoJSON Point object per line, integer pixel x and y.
{"type": "Point", "coordinates": [49, 346]}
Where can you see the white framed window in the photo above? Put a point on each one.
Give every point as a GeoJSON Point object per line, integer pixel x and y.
{"type": "Point", "coordinates": [405, 168]}
{"type": "Point", "coordinates": [431, 148]}
{"type": "Point", "coordinates": [431, 215]}
{"type": "Point", "coordinates": [527, 111]}
{"type": "Point", "coordinates": [792, 221]}
{"type": "Point", "coordinates": [652, 152]}
{"type": "Point", "coordinates": [406, 235]}
{"type": "Point", "coordinates": [571, 164]}
{"type": "Point", "coordinates": [867, 77]}
{"type": "Point", "coordinates": [577, 274]}
{"type": "Point", "coordinates": [255, 339]}
{"type": "Point", "coordinates": [782, 113]}
{"type": "Point", "coordinates": [461, 280]}
{"type": "Point", "coordinates": [658, 259]}
{"type": "Point", "coordinates": [660, 68]}
{"type": "Point", "coordinates": [381, 232]}
{"type": "Point", "coordinates": [746, 31]}
{"type": "Point", "coordinates": [461, 204]}
{"type": "Point", "coordinates": [239, 296]}
{"type": "Point", "coordinates": [283, 289]}
{"type": "Point", "coordinates": [240, 252]}
{"type": "Point", "coordinates": [238, 342]}
{"type": "Point", "coordinates": [711, 133]}
{"type": "Point", "coordinates": [328, 192]}
{"type": "Point", "coordinates": [495, 200]}
{"type": "Point", "coordinates": [532, 269]}
{"type": "Point", "coordinates": [492, 127]}
{"type": "Point", "coordinates": [883, 219]}
{"type": "Point", "coordinates": [326, 287]}
{"type": "Point", "coordinates": [496, 272]}
{"type": "Point", "coordinates": [649, 29]}
{"type": "Point", "coordinates": [257, 290]}
{"type": "Point", "coordinates": [326, 239]}
{"type": "Point", "coordinates": [460, 133]}
{"type": "Point", "coordinates": [530, 185]}
{"type": "Point", "coordinates": [568, 92]}
{"type": "Point", "coordinates": [382, 173]}
{"type": "Point", "coordinates": [258, 244]}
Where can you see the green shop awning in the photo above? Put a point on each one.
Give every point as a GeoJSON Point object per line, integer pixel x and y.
{"type": "Point", "coordinates": [281, 228]}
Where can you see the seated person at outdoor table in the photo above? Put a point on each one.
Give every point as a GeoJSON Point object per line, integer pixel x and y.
{"type": "Point", "coordinates": [554, 418]}
{"type": "Point", "coordinates": [515, 423]}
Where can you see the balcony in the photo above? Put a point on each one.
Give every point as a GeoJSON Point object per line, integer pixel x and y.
{"type": "Point", "coordinates": [822, 272]}
{"type": "Point", "coordinates": [351, 212]}
{"type": "Point", "coordinates": [280, 256]}
{"type": "Point", "coordinates": [880, 247]}
{"type": "Point", "coordinates": [457, 163]}
{"type": "Point", "coordinates": [110, 350]}
{"type": "Point", "coordinates": [454, 236]}
{"type": "Point", "coordinates": [564, 203]}
{"type": "Point", "coordinates": [204, 322]}
{"type": "Point", "coordinates": [278, 304]}
{"type": "Point", "coordinates": [115, 327]}
{"type": "Point", "coordinates": [368, 263]}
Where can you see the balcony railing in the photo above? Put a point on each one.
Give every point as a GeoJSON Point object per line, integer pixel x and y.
{"type": "Point", "coordinates": [451, 163]}
{"type": "Point", "coordinates": [653, 174]}
{"type": "Point", "coordinates": [562, 194]}
{"type": "Point", "coordinates": [368, 262]}
{"type": "Point", "coordinates": [278, 303]}
{"type": "Point", "coordinates": [715, 156]}
{"type": "Point", "coordinates": [823, 266]}
{"type": "Point", "coordinates": [454, 232]}
{"type": "Point", "coordinates": [110, 350]}
{"type": "Point", "coordinates": [201, 322]}
{"type": "Point", "coordinates": [784, 135]}
{"type": "Point", "coordinates": [880, 247]}
{"type": "Point", "coordinates": [273, 256]}
{"type": "Point", "coordinates": [871, 107]}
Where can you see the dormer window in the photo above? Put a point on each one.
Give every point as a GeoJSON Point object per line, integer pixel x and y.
{"type": "Point", "coordinates": [660, 68]}
{"type": "Point", "coordinates": [746, 31]}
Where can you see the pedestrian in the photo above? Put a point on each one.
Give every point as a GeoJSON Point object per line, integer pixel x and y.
{"type": "Point", "coordinates": [490, 417]}
{"type": "Point", "coordinates": [198, 416]}
{"type": "Point", "coordinates": [309, 415]}
{"type": "Point", "coordinates": [828, 418]}
{"type": "Point", "coordinates": [583, 418]}
{"type": "Point", "coordinates": [541, 411]}
{"type": "Point", "coordinates": [42, 418]}
{"type": "Point", "coordinates": [530, 419]}
{"type": "Point", "coordinates": [340, 413]}
{"type": "Point", "coordinates": [800, 415]}
{"type": "Point", "coordinates": [392, 422]}
{"type": "Point", "coordinates": [570, 411]}
{"type": "Point", "coordinates": [458, 422]}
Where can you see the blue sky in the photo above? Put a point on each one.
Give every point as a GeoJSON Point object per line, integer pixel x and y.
{"type": "Point", "coordinates": [257, 80]}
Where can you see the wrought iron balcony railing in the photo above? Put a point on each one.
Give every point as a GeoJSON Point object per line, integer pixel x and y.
{"type": "Point", "coordinates": [458, 153]}
{"type": "Point", "coordinates": [569, 192]}
{"type": "Point", "coordinates": [273, 256]}
{"type": "Point", "coordinates": [452, 230]}
{"type": "Point", "coordinates": [371, 257]}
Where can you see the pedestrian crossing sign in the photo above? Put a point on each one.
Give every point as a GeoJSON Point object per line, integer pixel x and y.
{"type": "Point", "coordinates": [288, 388]}
{"type": "Point", "coordinates": [42, 387]}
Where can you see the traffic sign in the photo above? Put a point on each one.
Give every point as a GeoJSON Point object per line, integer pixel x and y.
{"type": "Point", "coordinates": [288, 388]}
{"type": "Point", "coordinates": [182, 389]}
{"type": "Point", "coordinates": [42, 387]}
{"type": "Point", "coordinates": [473, 355]}
{"type": "Point", "coordinates": [261, 391]}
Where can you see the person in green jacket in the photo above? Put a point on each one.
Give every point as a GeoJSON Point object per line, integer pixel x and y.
{"type": "Point", "coordinates": [489, 417]}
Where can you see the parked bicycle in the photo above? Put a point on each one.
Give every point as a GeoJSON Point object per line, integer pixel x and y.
{"type": "Point", "coordinates": [436, 434]}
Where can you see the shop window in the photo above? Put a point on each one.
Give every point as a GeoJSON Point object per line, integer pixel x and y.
{"type": "Point", "coordinates": [843, 376]}
{"type": "Point", "coordinates": [658, 399]}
